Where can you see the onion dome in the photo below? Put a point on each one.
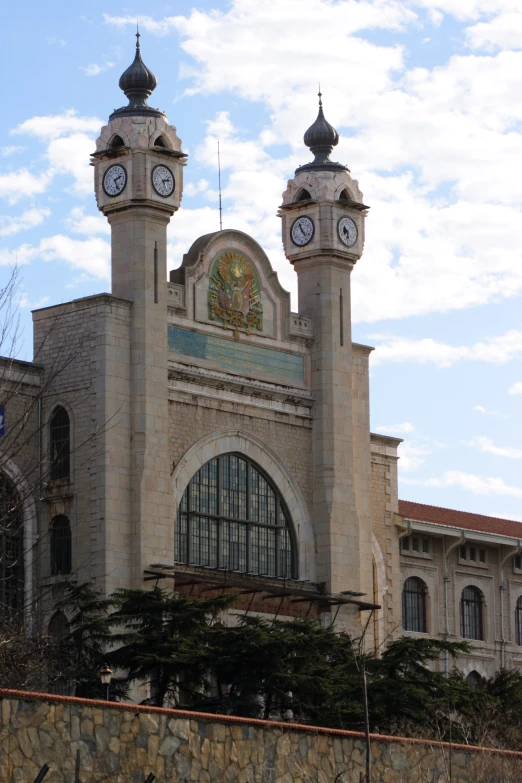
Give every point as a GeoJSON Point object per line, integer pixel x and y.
{"type": "Point", "coordinates": [137, 82]}
{"type": "Point", "coordinates": [321, 138]}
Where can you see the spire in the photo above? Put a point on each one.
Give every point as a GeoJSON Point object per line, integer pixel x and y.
{"type": "Point", "coordinates": [321, 138]}
{"type": "Point", "coordinates": [137, 82]}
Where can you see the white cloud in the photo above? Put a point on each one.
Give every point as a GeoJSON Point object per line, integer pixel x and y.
{"type": "Point", "coordinates": [93, 69]}
{"type": "Point", "coordinates": [54, 126]}
{"type": "Point", "coordinates": [80, 223]}
{"type": "Point", "coordinates": [28, 219]}
{"type": "Point", "coordinates": [487, 445]}
{"type": "Point", "coordinates": [26, 303]}
{"type": "Point", "coordinates": [412, 456]}
{"type": "Point", "coordinates": [516, 388]}
{"type": "Point", "coordinates": [22, 183]}
{"type": "Point", "coordinates": [195, 188]}
{"type": "Point", "coordinates": [503, 31]}
{"type": "Point", "coordinates": [495, 350]}
{"type": "Point", "coordinates": [396, 428]}
{"type": "Point", "coordinates": [478, 485]}
{"type": "Point", "coordinates": [481, 409]}
{"type": "Point", "coordinates": [89, 255]}
{"type": "Point", "coordinates": [10, 150]}
{"type": "Point", "coordinates": [70, 156]}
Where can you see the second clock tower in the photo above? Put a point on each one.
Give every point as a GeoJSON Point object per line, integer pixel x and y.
{"type": "Point", "coordinates": [138, 167]}
{"type": "Point", "coordinates": [323, 236]}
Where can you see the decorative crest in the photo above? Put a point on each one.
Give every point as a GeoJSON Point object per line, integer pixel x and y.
{"type": "Point", "coordinates": [234, 295]}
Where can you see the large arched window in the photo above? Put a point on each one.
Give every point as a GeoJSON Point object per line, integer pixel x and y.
{"type": "Point", "coordinates": [471, 620]}
{"type": "Point", "coordinates": [414, 605]}
{"type": "Point", "coordinates": [61, 554]}
{"type": "Point", "coordinates": [232, 517]}
{"type": "Point", "coordinates": [60, 443]}
{"type": "Point", "coordinates": [11, 546]}
{"type": "Point", "coordinates": [518, 621]}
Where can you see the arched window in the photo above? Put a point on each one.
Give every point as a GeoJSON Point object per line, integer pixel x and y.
{"type": "Point", "coordinates": [58, 626]}
{"type": "Point", "coordinates": [60, 438]}
{"type": "Point", "coordinates": [232, 517]}
{"type": "Point", "coordinates": [345, 196]}
{"type": "Point", "coordinates": [116, 142]}
{"type": "Point", "coordinates": [475, 681]}
{"type": "Point", "coordinates": [414, 605]}
{"type": "Point", "coordinates": [61, 554]}
{"type": "Point", "coordinates": [518, 621]}
{"type": "Point", "coordinates": [471, 621]}
{"type": "Point", "coordinates": [303, 195]}
{"type": "Point", "coordinates": [11, 547]}
{"type": "Point", "coordinates": [159, 142]}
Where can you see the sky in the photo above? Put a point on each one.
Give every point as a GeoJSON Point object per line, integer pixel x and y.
{"type": "Point", "coordinates": [426, 96]}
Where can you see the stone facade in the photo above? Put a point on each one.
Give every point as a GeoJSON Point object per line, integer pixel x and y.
{"type": "Point", "coordinates": [160, 377]}
{"type": "Point", "coordinates": [123, 744]}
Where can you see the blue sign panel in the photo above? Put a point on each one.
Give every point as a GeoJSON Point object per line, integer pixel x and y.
{"type": "Point", "coordinates": [237, 357]}
{"type": "Point", "coordinates": [2, 420]}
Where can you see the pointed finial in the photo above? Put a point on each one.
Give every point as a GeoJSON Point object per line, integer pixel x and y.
{"type": "Point", "coordinates": [137, 35]}
{"type": "Point", "coordinates": [320, 94]}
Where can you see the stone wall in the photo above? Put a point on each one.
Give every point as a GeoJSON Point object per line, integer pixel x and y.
{"type": "Point", "coordinates": [124, 743]}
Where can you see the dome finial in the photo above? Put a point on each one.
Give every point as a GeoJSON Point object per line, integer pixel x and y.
{"type": "Point", "coordinates": [321, 137]}
{"type": "Point", "coordinates": [137, 82]}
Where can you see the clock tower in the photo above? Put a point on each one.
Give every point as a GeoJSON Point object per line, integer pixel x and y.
{"type": "Point", "coordinates": [138, 176]}
{"type": "Point", "coordinates": [323, 236]}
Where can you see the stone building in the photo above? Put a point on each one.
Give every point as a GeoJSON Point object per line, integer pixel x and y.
{"type": "Point", "coordinates": [198, 431]}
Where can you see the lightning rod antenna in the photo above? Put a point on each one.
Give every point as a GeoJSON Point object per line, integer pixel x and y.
{"type": "Point", "coordinates": [219, 185]}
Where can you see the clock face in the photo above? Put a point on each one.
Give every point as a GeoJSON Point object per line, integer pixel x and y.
{"type": "Point", "coordinates": [302, 231]}
{"type": "Point", "coordinates": [114, 180]}
{"type": "Point", "coordinates": [163, 181]}
{"type": "Point", "coordinates": [347, 231]}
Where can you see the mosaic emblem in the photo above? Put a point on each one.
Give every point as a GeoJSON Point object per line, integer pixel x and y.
{"type": "Point", "coordinates": [234, 295]}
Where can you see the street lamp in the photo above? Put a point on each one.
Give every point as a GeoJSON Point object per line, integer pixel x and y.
{"type": "Point", "coordinates": [105, 677]}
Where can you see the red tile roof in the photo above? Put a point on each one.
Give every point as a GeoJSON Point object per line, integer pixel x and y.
{"type": "Point", "coordinates": [460, 519]}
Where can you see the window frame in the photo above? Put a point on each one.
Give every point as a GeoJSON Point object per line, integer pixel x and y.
{"type": "Point", "coordinates": [424, 549]}
{"type": "Point", "coordinates": [60, 464]}
{"type": "Point", "coordinates": [466, 550]}
{"type": "Point", "coordinates": [472, 621]}
{"type": "Point", "coordinates": [60, 546]}
{"type": "Point", "coordinates": [226, 530]}
{"type": "Point", "coordinates": [419, 611]}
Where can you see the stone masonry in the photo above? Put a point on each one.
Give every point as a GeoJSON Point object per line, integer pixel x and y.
{"type": "Point", "coordinates": [124, 743]}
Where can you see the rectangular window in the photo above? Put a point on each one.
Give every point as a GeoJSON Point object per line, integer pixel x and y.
{"type": "Point", "coordinates": [415, 544]}
{"type": "Point", "coordinates": [472, 553]}
{"type": "Point", "coordinates": [426, 546]}
{"type": "Point", "coordinates": [517, 562]}
{"type": "Point", "coordinates": [482, 555]}
{"type": "Point", "coordinates": [406, 543]}
{"type": "Point", "coordinates": [462, 551]}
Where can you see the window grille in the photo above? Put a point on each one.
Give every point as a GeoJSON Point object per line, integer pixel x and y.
{"type": "Point", "coordinates": [61, 546]}
{"type": "Point", "coordinates": [471, 612]}
{"type": "Point", "coordinates": [414, 605]}
{"type": "Point", "coordinates": [60, 441]}
{"type": "Point", "coordinates": [11, 547]}
{"type": "Point", "coordinates": [518, 621]}
{"type": "Point", "coordinates": [232, 517]}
